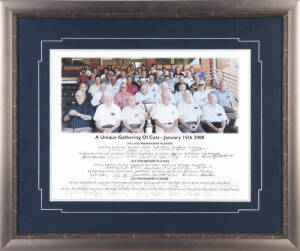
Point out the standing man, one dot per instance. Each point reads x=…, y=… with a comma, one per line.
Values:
x=152, y=87
x=179, y=95
x=131, y=88
x=113, y=87
x=143, y=79
x=189, y=115
x=214, y=116
x=122, y=78
x=166, y=116
x=92, y=80
x=95, y=87
x=201, y=96
x=99, y=95
x=82, y=78
x=143, y=97
x=108, y=115
x=121, y=98
x=181, y=81
x=133, y=117
x=164, y=89
x=79, y=115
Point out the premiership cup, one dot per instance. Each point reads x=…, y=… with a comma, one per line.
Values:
x=148, y=115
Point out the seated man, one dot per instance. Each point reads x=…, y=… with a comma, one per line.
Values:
x=166, y=116
x=108, y=115
x=121, y=98
x=143, y=97
x=214, y=116
x=225, y=98
x=189, y=115
x=79, y=115
x=164, y=89
x=133, y=117
x=84, y=88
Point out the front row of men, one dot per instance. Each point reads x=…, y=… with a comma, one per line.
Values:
x=167, y=118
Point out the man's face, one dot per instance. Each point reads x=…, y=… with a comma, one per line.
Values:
x=144, y=74
x=79, y=98
x=97, y=80
x=129, y=81
x=166, y=79
x=201, y=86
x=131, y=100
x=103, y=87
x=173, y=67
x=108, y=76
x=83, y=87
x=151, y=78
x=144, y=89
x=212, y=98
x=181, y=79
x=83, y=71
x=92, y=75
x=108, y=99
x=113, y=80
x=123, y=88
x=222, y=86
x=182, y=88
x=189, y=74
x=123, y=74
x=171, y=74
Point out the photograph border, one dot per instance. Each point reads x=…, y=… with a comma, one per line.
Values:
x=289, y=240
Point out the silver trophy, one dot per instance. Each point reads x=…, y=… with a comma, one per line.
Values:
x=148, y=116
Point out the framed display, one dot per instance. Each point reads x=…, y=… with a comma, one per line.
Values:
x=129, y=123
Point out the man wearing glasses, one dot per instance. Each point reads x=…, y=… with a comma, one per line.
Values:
x=200, y=96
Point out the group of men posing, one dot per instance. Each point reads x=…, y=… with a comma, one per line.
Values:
x=115, y=101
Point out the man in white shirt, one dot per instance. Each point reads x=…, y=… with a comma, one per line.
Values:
x=95, y=87
x=164, y=89
x=99, y=95
x=108, y=115
x=200, y=96
x=143, y=79
x=133, y=117
x=189, y=115
x=143, y=97
x=214, y=116
x=113, y=87
x=166, y=116
x=152, y=87
x=189, y=79
x=122, y=79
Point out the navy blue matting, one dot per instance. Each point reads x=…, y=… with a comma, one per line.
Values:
x=261, y=215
